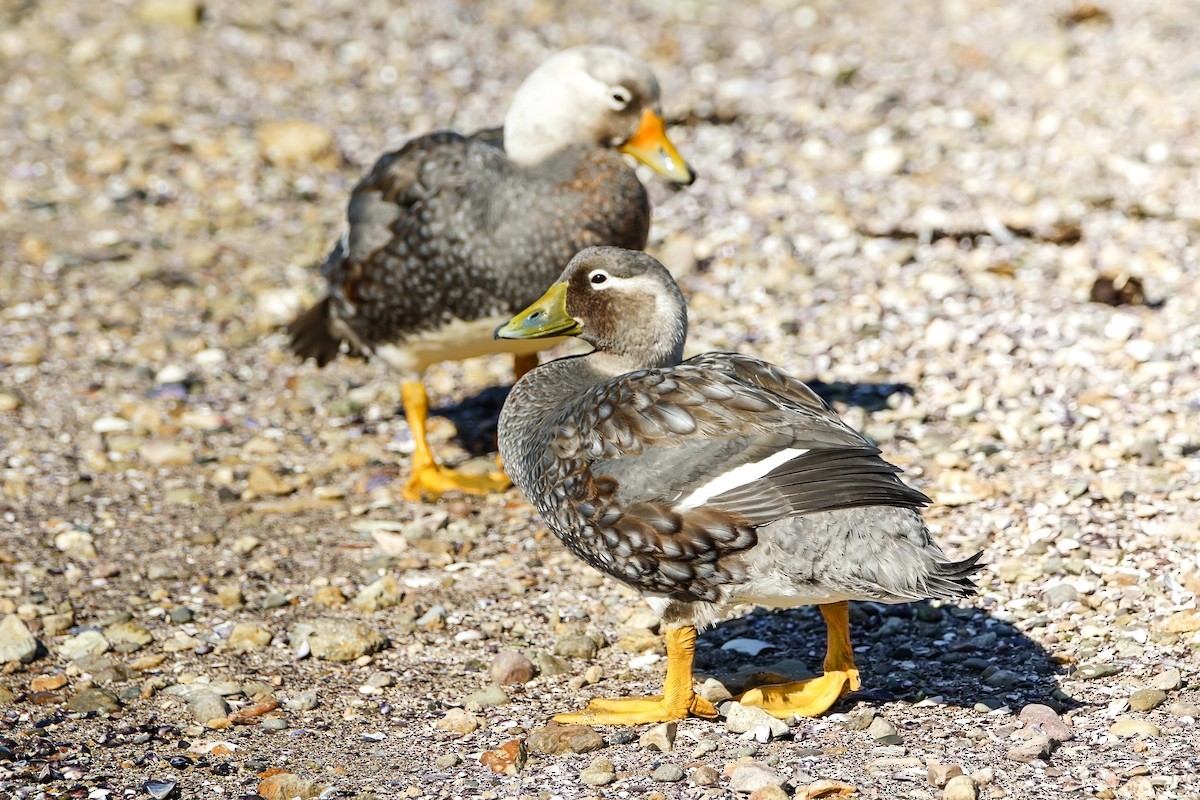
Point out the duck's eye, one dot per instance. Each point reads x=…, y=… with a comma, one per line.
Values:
x=619, y=97
x=598, y=277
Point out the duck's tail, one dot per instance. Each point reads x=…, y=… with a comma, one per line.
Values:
x=951, y=579
x=312, y=336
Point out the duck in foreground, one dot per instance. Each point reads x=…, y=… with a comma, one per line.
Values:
x=706, y=482
x=451, y=235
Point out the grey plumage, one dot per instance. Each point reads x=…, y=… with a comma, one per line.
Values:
x=632, y=457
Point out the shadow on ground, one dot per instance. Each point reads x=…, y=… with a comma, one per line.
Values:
x=914, y=651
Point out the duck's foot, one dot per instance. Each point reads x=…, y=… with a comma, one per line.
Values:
x=639, y=710
x=808, y=698
x=431, y=481
x=678, y=700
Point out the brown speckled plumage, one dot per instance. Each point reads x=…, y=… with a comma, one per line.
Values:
x=450, y=228
x=617, y=448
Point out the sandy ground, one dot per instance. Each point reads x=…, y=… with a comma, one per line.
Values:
x=911, y=203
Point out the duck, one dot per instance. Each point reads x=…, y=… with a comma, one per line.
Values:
x=451, y=234
x=706, y=483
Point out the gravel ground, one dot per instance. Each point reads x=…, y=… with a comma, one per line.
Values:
x=209, y=586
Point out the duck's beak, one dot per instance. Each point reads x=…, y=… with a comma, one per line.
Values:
x=650, y=145
x=545, y=318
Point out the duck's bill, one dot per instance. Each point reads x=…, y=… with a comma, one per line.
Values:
x=545, y=318
x=651, y=146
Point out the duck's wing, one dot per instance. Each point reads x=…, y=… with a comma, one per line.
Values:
x=673, y=470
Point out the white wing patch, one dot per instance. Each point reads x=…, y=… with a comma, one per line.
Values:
x=738, y=476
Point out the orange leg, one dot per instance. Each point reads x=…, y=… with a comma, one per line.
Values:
x=815, y=696
x=429, y=478
x=678, y=700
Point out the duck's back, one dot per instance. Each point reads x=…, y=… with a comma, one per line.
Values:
x=447, y=230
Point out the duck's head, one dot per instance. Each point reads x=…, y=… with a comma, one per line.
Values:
x=622, y=302
x=592, y=95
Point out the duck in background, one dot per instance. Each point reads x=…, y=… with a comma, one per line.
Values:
x=451, y=235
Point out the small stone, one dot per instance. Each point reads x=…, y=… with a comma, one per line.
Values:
x=1181, y=622
x=262, y=481
x=1091, y=672
x=640, y=640
x=507, y=759
x=1059, y=595
x=753, y=775
x=55, y=624
x=577, y=646
x=509, y=668
x=1129, y=728
x=87, y=643
x=289, y=786
x=206, y=705
x=556, y=739
x=48, y=683
x=741, y=719
x=182, y=614
x=1146, y=699
x=883, y=160
x=274, y=724
x=1002, y=679
x=599, y=773
x=769, y=793
x=824, y=789
x=661, y=737
x=329, y=596
x=457, y=720
x=181, y=13
x=486, y=697
x=1047, y=720
x=340, y=640
x=166, y=454
x=16, y=641
x=960, y=787
x=78, y=545
x=549, y=664
x=939, y=774
x=705, y=776
x=159, y=789
x=383, y=593
x=230, y=596
x=305, y=701
x=295, y=142
x=667, y=773
x=432, y=620
x=245, y=545
x=1035, y=747
x=93, y=698
x=714, y=691
x=128, y=633
x=1167, y=681
x=447, y=761
x=6, y=696
x=884, y=732
x=247, y=636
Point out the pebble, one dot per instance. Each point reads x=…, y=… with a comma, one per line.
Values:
x=667, y=773
x=769, y=793
x=705, y=775
x=714, y=691
x=305, y=701
x=246, y=637
x=206, y=706
x=181, y=13
x=334, y=639
x=1059, y=594
x=78, y=545
x=510, y=667
x=1167, y=681
x=577, y=646
x=130, y=633
x=939, y=774
x=457, y=720
x=884, y=732
x=883, y=160
x=550, y=665
x=230, y=596
x=960, y=787
x=741, y=719
x=48, y=683
x=447, y=761
x=556, y=739
x=86, y=643
x=182, y=614
x=1047, y=720
x=1146, y=699
x=507, y=759
x=295, y=142
x=167, y=454
x=1035, y=747
x=93, y=698
x=289, y=786
x=751, y=776
x=486, y=697
x=383, y=593
x=1129, y=728
x=17, y=643
x=661, y=737
x=432, y=620
x=1091, y=672
x=599, y=773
